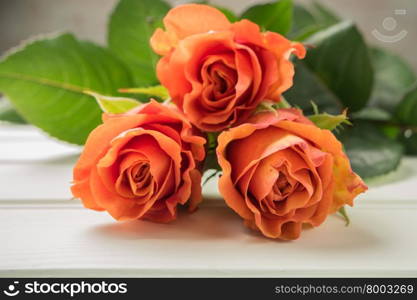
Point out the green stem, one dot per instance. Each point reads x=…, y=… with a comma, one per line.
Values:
x=211, y=161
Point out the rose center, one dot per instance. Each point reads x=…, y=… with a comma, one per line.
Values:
x=136, y=181
x=140, y=178
x=220, y=84
x=219, y=80
x=140, y=173
x=282, y=186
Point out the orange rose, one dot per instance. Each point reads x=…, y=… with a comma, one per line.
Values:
x=218, y=72
x=141, y=165
x=281, y=171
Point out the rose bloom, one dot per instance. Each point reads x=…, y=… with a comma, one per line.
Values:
x=218, y=72
x=141, y=164
x=280, y=171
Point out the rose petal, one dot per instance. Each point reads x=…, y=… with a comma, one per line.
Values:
x=118, y=207
x=246, y=152
x=98, y=143
x=82, y=190
x=185, y=20
x=226, y=186
x=347, y=184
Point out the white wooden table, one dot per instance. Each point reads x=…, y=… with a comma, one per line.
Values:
x=45, y=233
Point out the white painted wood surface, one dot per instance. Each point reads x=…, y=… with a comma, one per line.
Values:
x=45, y=233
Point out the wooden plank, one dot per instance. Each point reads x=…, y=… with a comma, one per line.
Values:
x=26, y=144
x=70, y=241
x=33, y=166
x=47, y=180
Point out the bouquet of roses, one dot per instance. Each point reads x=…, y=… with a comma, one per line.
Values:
x=279, y=169
x=219, y=105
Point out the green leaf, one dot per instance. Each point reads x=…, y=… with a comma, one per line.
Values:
x=406, y=111
x=45, y=80
x=409, y=139
x=371, y=153
x=302, y=18
x=309, y=87
x=373, y=114
x=393, y=78
x=156, y=91
x=307, y=20
x=275, y=16
x=230, y=15
x=391, y=130
x=131, y=26
x=114, y=105
x=330, y=122
x=323, y=15
x=9, y=114
x=340, y=62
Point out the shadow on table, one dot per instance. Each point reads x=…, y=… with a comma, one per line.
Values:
x=207, y=222
x=220, y=224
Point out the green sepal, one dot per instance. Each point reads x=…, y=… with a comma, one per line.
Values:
x=343, y=213
x=114, y=105
x=155, y=91
x=328, y=121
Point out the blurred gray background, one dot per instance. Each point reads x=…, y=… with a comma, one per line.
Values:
x=20, y=19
